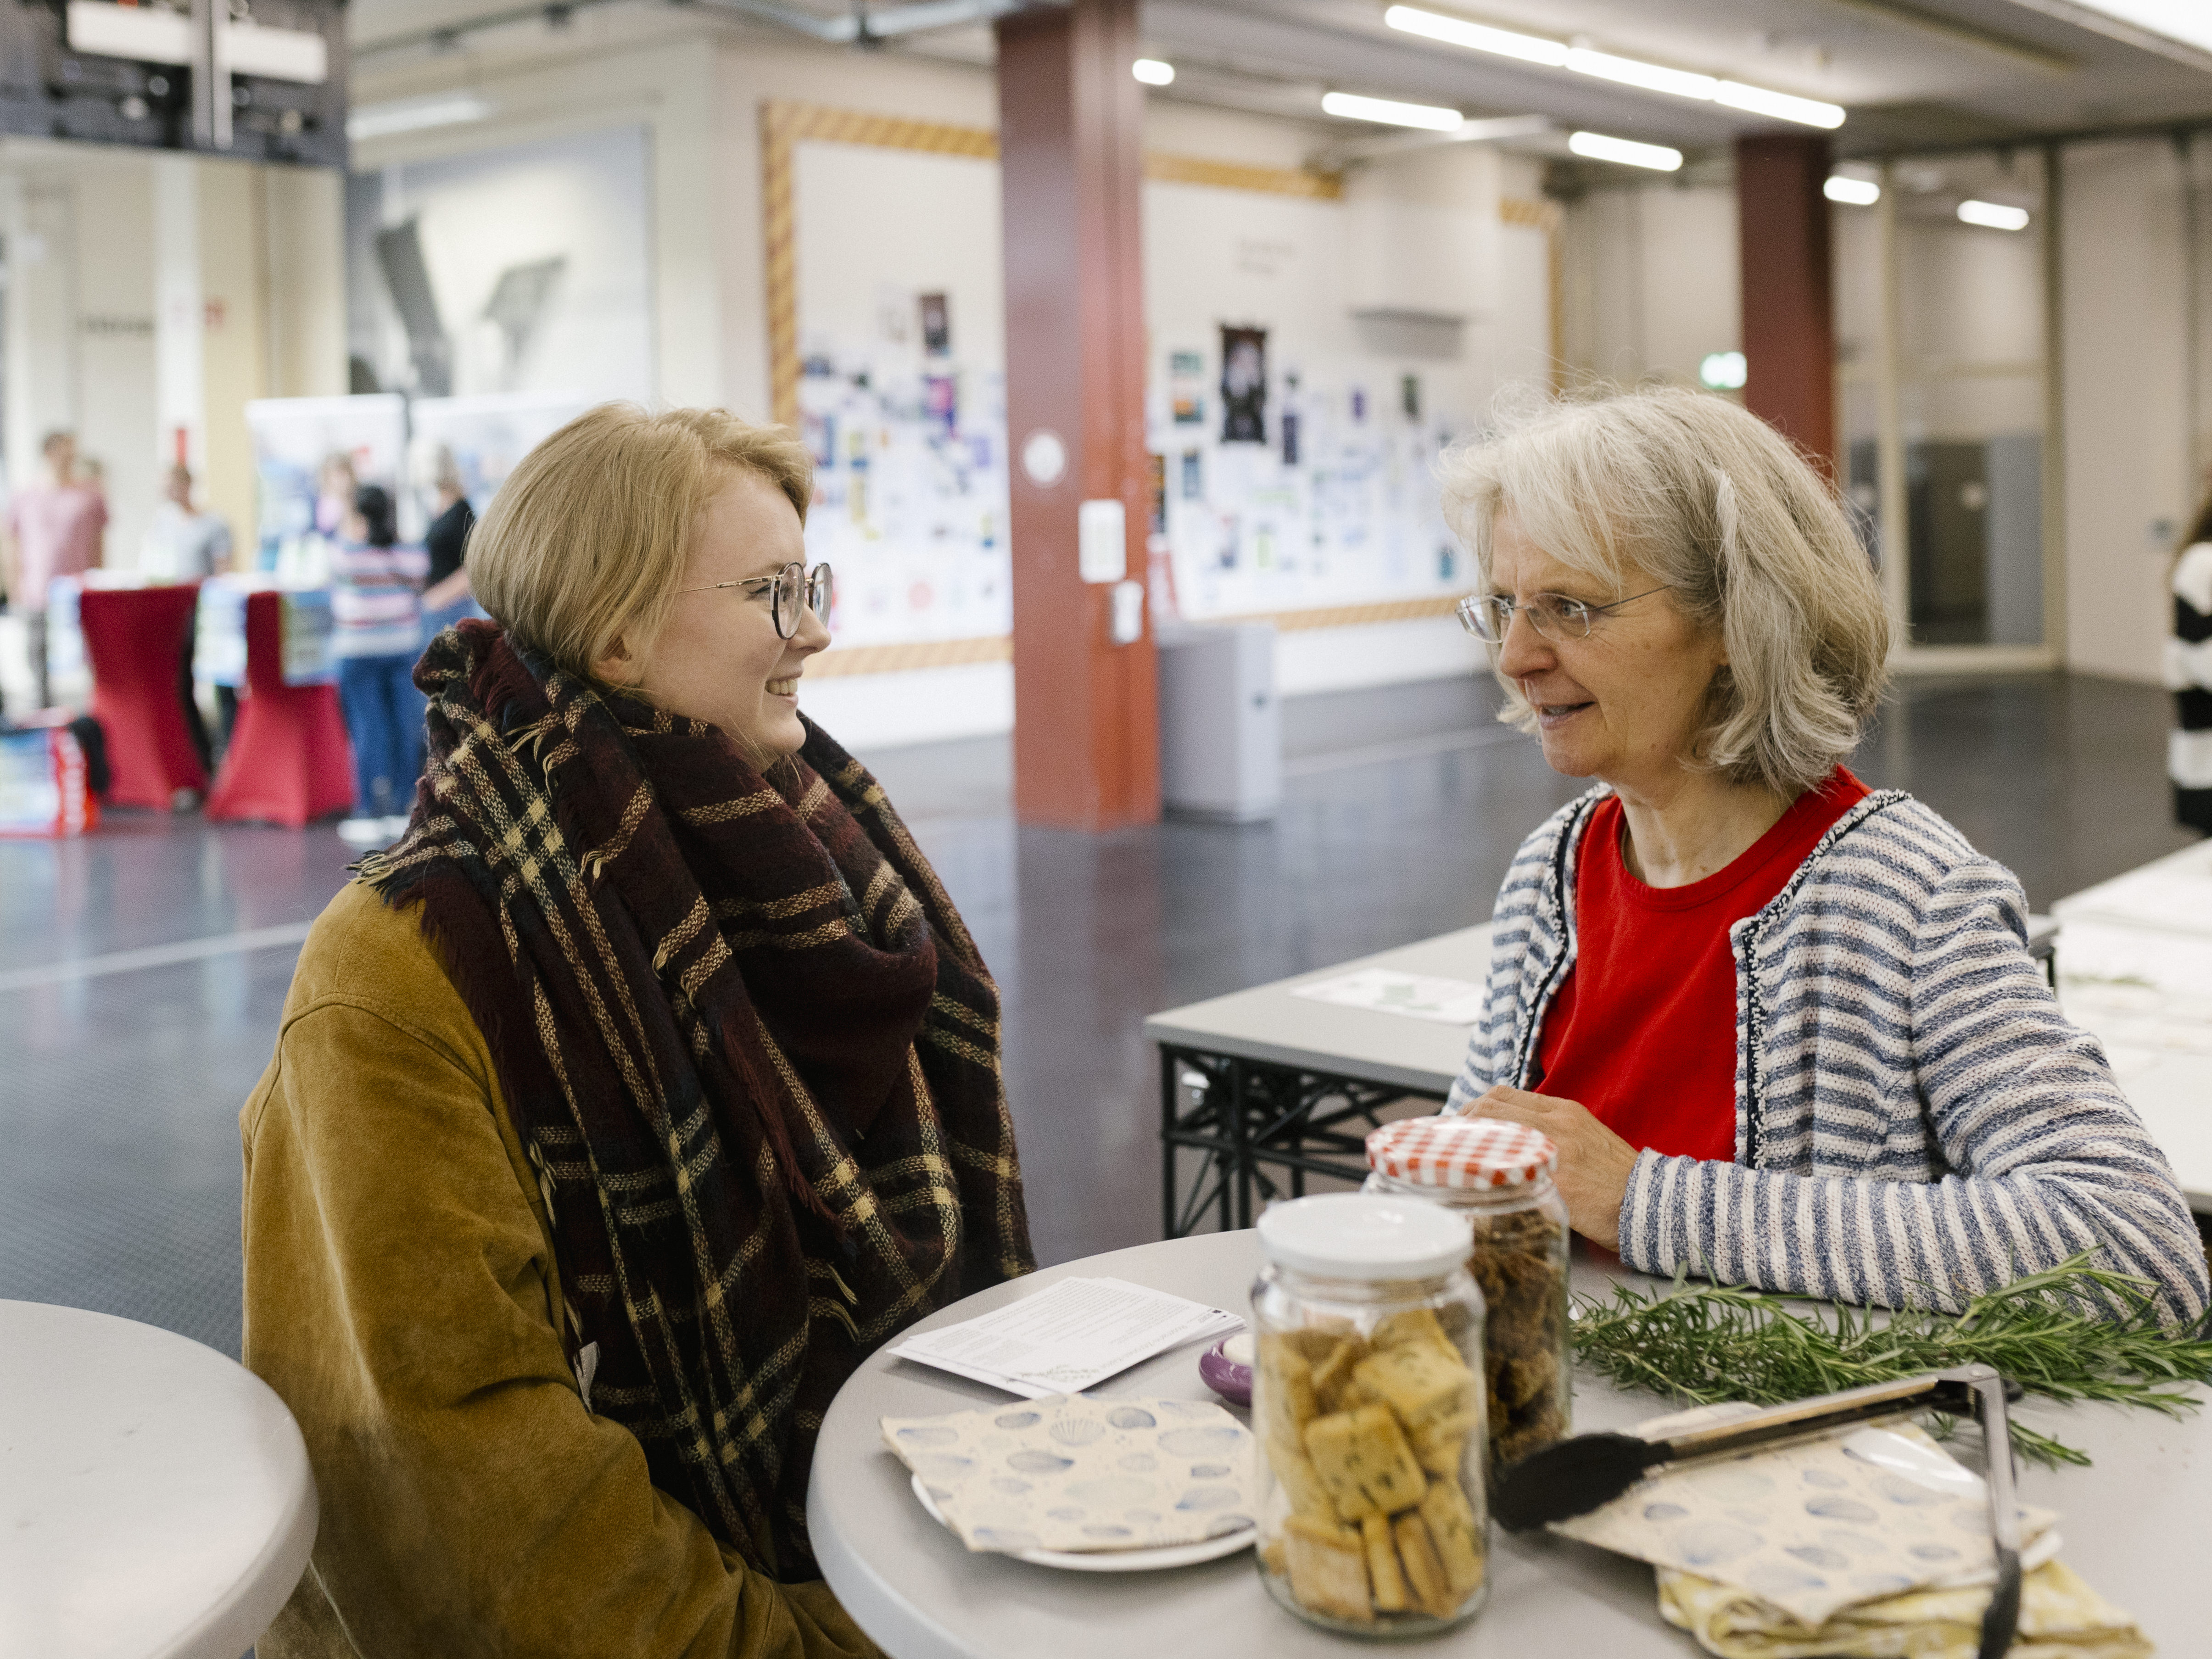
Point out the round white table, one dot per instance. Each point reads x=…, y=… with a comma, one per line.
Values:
x=2133, y=1524
x=155, y=1497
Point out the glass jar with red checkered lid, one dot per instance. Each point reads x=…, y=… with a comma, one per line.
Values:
x=1500, y=1176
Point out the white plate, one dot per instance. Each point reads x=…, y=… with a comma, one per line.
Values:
x=1168, y=1555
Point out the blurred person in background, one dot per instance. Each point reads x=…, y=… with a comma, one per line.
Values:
x=335, y=487
x=182, y=545
x=376, y=611
x=2189, y=676
x=56, y=527
x=626, y=1105
x=447, y=599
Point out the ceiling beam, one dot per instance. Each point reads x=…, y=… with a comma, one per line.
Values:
x=2022, y=54
x=2113, y=28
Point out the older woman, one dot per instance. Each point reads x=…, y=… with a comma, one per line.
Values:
x=1784, y=1029
x=647, y=1086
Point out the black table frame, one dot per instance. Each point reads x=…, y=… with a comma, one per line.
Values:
x=1261, y=1128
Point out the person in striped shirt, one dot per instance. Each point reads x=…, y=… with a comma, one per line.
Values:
x=2189, y=676
x=1784, y=1029
x=376, y=610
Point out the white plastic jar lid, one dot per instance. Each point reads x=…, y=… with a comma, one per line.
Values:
x=1356, y=1235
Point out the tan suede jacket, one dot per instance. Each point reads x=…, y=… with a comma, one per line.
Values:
x=401, y=1296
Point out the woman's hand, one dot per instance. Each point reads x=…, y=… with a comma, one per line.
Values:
x=1594, y=1163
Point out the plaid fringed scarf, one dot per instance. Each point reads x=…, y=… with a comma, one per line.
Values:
x=747, y=1043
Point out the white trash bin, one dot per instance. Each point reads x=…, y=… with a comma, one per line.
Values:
x=1221, y=728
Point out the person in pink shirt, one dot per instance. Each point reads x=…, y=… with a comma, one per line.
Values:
x=54, y=529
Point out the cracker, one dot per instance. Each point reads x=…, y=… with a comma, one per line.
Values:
x=1328, y=1569
x=1452, y=1529
x=1362, y=1459
x=1425, y=1574
x=1422, y=1383
x=1382, y=1570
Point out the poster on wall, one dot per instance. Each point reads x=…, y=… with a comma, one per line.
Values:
x=1342, y=508
x=909, y=501
x=523, y=269
x=1243, y=386
x=902, y=394
x=485, y=435
x=308, y=454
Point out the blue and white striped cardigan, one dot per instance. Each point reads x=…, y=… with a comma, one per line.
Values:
x=1915, y=1119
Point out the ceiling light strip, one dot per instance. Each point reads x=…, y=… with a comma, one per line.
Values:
x=1390, y=112
x=1598, y=147
x=1609, y=66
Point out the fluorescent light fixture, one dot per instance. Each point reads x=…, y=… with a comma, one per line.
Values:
x=1152, y=72
x=1723, y=371
x=1628, y=71
x=1599, y=147
x=447, y=109
x=1994, y=216
x=1390, y=112
x=2186, y=21
x=1805, y=111
x=1852, y=192
x=1476, y=37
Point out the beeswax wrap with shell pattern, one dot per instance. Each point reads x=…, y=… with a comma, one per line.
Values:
x=1072, y=1473
x=1816, y=1527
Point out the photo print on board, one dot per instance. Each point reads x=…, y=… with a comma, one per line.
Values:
x=1186, y=387
x=1243, y=386
x=936, y=325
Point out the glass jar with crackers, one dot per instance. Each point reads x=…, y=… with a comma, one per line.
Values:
x=1367, y=1406
x=1499, y=1176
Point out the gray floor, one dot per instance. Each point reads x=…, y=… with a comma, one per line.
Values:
x=119, y=1095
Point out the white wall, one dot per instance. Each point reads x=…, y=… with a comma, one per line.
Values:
x=2128, y=483
x=1653, y=280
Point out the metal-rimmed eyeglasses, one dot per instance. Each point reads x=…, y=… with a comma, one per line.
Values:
x=789, y=589
x=1556, y=617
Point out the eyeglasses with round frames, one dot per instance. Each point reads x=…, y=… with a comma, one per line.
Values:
x=788, y=589
x=1488, y=617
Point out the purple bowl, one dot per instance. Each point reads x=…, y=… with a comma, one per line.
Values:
x=1232, y=1381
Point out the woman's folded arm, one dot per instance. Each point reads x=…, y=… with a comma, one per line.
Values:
x=2044, y=1156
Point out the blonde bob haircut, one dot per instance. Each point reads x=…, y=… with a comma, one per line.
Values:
x=1750, y=541
x=586, y=541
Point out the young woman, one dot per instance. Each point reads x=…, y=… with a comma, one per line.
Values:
x=648, y=1085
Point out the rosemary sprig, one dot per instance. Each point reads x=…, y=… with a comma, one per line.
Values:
x=2072, y=1332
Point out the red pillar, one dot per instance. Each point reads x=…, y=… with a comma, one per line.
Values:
x=1070, y=155
x=1789, y=311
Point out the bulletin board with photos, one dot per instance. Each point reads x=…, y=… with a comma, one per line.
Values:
x=1293, y=469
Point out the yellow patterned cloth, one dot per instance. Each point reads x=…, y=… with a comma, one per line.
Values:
x=2060, y=1618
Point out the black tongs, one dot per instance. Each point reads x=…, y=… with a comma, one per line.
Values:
x=1576, y=1476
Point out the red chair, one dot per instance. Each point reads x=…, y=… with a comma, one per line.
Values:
x=134, y=638
x=290, y=761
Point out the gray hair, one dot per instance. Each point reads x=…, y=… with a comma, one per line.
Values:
x=1751, y=541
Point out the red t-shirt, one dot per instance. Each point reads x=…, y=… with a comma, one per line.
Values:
x=1643, y=1031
